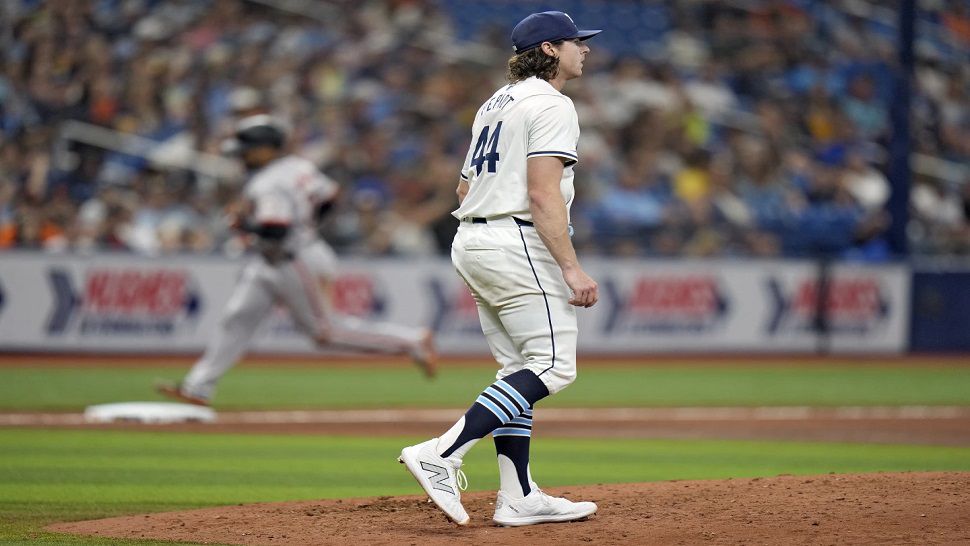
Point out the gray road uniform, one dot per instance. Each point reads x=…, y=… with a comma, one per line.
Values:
x=284, y=197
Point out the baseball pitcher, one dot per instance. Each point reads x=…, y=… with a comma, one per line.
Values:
x=514, y=252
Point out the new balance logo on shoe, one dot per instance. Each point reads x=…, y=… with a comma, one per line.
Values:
x=442, y=479
x=437, y=476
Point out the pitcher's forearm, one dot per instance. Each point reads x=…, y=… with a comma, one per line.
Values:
x=552, y=225
x=548, y=208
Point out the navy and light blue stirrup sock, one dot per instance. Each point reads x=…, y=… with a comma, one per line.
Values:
x=512, y=451
x=495, y=408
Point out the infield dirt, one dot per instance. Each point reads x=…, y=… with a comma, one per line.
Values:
x=885, y=508
x=890, y=508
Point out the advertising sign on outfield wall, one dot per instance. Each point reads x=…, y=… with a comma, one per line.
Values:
x=127, y=303
x=747, y=306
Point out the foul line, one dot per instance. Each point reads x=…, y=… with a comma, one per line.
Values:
x=571, y=415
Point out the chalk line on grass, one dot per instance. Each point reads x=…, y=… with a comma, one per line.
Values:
x=767, y=413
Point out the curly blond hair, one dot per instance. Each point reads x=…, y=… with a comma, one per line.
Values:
x=533, y=62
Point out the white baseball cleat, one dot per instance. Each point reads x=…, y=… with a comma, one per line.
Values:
x=538, y=507
x=442, y=479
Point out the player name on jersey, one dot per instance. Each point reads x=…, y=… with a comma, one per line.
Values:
x=498, y=101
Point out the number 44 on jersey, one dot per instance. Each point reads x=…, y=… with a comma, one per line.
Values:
x=479, y=157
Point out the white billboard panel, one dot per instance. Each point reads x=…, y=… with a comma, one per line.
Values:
x=122, y=302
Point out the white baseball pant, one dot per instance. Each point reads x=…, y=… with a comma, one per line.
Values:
x=523, y=300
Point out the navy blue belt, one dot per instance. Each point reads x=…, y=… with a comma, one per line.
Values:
x=480, y=220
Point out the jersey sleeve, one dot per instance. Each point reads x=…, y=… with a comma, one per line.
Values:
x=322, y=188
x=554, y=131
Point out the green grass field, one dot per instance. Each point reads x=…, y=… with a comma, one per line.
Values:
x=49, y=475
x=265, y=387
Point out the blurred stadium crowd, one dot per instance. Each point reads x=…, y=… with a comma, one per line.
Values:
x=709, y=128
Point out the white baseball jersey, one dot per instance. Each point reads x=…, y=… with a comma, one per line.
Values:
x=523, y=300
x=525, y=119
x=287, y=192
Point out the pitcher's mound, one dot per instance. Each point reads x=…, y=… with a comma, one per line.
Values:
x=890, y=508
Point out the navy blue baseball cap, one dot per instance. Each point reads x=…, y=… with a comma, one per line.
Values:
x=547, y=26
